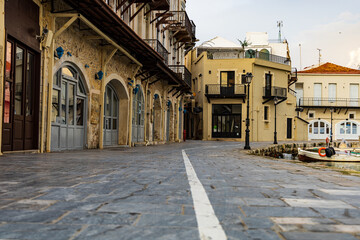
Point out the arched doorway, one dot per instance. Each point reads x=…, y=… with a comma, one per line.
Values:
x=69, y=101
x=180, y=119
x=138, y=116
x=348, y=130
x=264, y=54
x=111, y=116
x=156, y=118
x=318, y=129
x=169, y=122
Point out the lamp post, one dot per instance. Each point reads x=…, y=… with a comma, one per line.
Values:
x=331, y=126
x=275, y=133
x=249, y=77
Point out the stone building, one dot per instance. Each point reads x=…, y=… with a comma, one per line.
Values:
x=219, y=68
x=328, y=97
x=91, y=74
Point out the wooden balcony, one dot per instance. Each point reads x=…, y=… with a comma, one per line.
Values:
x=156, y=5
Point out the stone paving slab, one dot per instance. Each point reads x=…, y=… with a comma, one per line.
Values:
x=143, y=193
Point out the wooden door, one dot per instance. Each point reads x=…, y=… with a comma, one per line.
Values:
x=289, y=128
x=268, y=85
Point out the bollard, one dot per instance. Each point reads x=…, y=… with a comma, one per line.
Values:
x=184, y=135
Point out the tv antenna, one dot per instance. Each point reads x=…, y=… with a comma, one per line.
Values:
x=280, y=25
x=319, y=55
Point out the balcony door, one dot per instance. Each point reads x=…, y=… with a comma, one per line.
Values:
x=317, y=94
x=227, y=83
x=268, y=85
x=21, y=98
x=354, y=95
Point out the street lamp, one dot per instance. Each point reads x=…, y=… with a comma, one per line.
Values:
x=248, y=77
x=276, y=100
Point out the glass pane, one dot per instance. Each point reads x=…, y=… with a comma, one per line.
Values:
x=214, y=124
x=79, y=112
x=310, y=128
x=316, y=128
x=227, y=123
x=7, y=102
x=63, y=102
x=108, y=102
x=223, y=124
x=107, y=123
x=81, y=88
x=327, y=129
x=67, y=72
x=55, y=105
x=18, y=81
x=316, y=124
x=224, y=78
x=114, y=125
x=219, y=124
x=348, y=130
x=115, y=106
x=342, y=128
x=8, y=60
x=29, y=80
x=71, y=104
x=354, y=129
x=236, y=109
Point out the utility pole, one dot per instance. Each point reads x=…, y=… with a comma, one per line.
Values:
x=279, y=25
x=319, y=55
x=300, y=56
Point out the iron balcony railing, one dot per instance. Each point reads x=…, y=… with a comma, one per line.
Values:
x=224, y=91
x=182, y=72
x=282, y=40
x=271, y=92
x=254, y=54
x=157, y=46
x=329, y=102
x=181, y=19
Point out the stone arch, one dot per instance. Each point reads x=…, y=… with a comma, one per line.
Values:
x=119, y=85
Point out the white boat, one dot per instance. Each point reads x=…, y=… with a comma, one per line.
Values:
x=311, y=155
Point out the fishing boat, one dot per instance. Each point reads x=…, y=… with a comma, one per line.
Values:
x=319, y=154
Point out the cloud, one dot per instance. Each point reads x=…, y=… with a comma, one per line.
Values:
x=354, y=59
x=338, y=40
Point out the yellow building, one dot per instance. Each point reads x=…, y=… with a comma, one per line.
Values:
x=80, y=75
x=219, y=69
x=328, y=96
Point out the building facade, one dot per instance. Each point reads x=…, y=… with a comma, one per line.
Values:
x=91, y=74
x=328, y=97
x=219, y=69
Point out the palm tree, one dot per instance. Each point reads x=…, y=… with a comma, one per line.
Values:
x=244, y=43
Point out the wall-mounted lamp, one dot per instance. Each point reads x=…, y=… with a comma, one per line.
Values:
x=59, y=52
x=99, y=75
x=136, y=89
x=69, y=54
x=43, y=35
x=87, y=66
x=156, y=96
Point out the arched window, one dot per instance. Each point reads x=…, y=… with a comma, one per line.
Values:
x=347, y=130
x=111, y=115
x=250, y=53
x=138, y=116
x=68, y=114
x=319, y=129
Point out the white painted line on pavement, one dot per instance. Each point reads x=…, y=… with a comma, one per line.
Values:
x=208, y=224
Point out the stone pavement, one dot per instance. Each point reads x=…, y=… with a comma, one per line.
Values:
x=144, y=193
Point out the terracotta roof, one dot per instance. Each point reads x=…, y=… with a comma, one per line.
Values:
x=330, y=68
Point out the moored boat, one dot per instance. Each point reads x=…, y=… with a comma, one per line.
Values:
x=311, y=155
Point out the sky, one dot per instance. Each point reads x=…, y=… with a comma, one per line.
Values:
x=330, y=25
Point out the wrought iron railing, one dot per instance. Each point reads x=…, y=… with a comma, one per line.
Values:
x=282, y=40
x=157, y=46
x=329, y=102
x=254, y=54
x=217, y=90
x=181, y=19
x=270, y=92
x=182, y=72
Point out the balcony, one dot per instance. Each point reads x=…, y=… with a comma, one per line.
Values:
x=182, y=73
x=224, y=91
x=293, y=77
x=180, y=24
x=329, y=102
x=156, y=5
x=157, y=46
x=275, y=92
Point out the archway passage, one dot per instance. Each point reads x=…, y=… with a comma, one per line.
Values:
x=156, y=118
x=348, y=130
x=68, y=116
x=318, y=129
x=138, y=117
x=111, y=116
